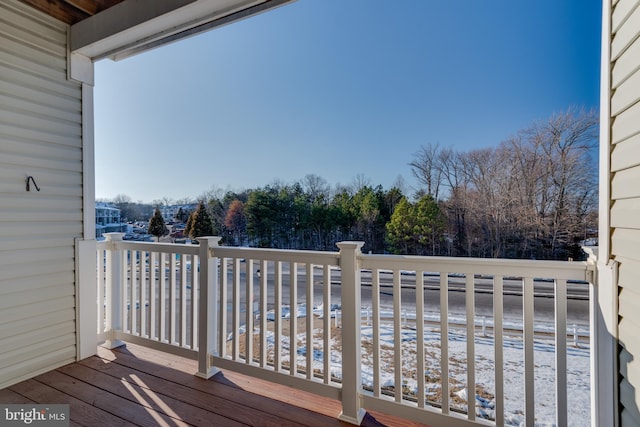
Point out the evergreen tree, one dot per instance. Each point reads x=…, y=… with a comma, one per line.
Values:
x=416, y=229
x=429, y=225
x=157, y=226
x=400, y=227
x=199, y=223
x=189, y=224
x=182, y=215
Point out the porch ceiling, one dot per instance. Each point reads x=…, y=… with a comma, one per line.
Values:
x=72, y=11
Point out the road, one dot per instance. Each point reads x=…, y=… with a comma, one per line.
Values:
x=544, y=303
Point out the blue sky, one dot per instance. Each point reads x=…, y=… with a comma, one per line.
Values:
x=338, y=88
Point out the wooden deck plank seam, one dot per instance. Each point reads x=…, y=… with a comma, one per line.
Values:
x=137, y=386
x=149, y=398
x=285, y=411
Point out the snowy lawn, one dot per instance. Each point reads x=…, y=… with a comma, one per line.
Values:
x=544, y=357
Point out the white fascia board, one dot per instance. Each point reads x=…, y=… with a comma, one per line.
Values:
x=200, y=28
x=80, y=68
x=135, y=23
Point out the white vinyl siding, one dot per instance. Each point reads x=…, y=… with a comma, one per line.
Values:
x=40, y=136
x=625, y=195
x=626, y=154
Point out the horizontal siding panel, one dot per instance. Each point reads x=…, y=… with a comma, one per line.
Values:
x=17, y=184
x=34, y=322
x=25, y=298
x=624, y=242
x=630, y=398
x=626, y=65
x=27, y=284
x=626, y=124
x=59, y=342
x=629, y=306
x=626, y=154
x=43, y=229
x=624, y=184
x=31, y=256
x=51, y=306
x=626, y=95
x=43, y=21
x=30, y=242
x=40, y=109
x=628, y=368
x=37, y=365
x=53, y=163
x=21, y=19
x=629, y=273
x=30, y=215
x=626, y=35
x=628, y=337
x=41, y=201
x=58, y=154
x=65, y=328
x=27, y=120
x=44, y=42
x=52, y=183
x=626, y=213
x=45, y=178
x=34, y=59
x=37, y=272
x=37, y=135
x=621, y=12
x=33, y=87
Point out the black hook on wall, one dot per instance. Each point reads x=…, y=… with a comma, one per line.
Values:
x=31, y=179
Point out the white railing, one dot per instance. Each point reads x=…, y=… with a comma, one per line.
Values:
x=297, y=318
x=149, y=294
x=464, y=274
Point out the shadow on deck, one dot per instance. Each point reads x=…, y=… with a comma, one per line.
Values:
x=134, y=385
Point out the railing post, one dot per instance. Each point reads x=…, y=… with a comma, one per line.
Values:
x=114, y=289
x=352, y=412
x=602, y=276
x=207, y=307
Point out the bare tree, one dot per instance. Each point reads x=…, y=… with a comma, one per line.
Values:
x=121, y=198
x=533, y=196
x=359, y=182
x=426, y=167
x=316, y=186
x=401, y=184
x=569, y=138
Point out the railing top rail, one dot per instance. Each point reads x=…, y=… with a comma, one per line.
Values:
x=169, y=248
x=568, y=270
x=286, y=255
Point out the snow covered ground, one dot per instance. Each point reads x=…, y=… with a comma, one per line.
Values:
x=544, y=357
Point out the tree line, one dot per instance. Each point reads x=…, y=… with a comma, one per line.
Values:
x=532, y=196
x=535, y=195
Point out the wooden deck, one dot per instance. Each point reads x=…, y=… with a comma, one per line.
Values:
x=134, y=385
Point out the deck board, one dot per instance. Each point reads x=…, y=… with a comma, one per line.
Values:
x=134, y=385
x=81, y=412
